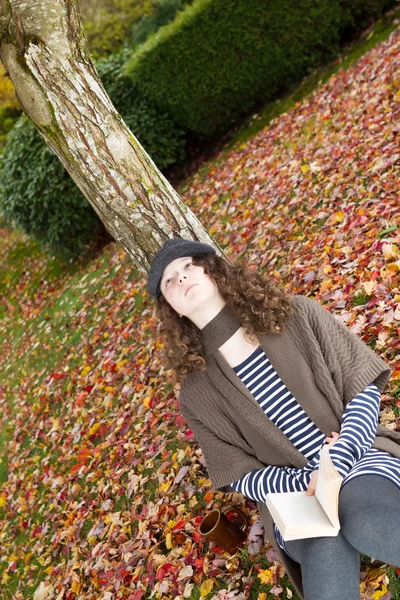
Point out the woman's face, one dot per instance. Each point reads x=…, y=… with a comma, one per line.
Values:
x=187, y=288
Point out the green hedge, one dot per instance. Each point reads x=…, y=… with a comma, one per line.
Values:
x=218, y=57
x=8, y=117
x=38, y=195
x=358, y=14
x=162, y=139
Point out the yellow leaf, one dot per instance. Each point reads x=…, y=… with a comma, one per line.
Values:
x=206, y=587
x=76, y=587
x=369, y=287
x=304, y=168
x=164, y=487
x=390, y=250
x=106, y=335
x=3, y=501
x=213, y=229
x=168, y=541
x=380, y=593
x=392, y=269
x=5, y=577
x=146, y=401
x=56, y=425
x=94, y=428
x=262, y=596
x=339, y=216
x=265, y=576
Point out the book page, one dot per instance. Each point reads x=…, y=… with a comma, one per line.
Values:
x=299, y=516
x=328, y=486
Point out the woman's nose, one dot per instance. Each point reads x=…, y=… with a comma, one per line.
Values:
x=182, y=277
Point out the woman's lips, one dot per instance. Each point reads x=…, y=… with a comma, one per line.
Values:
x=190, y=286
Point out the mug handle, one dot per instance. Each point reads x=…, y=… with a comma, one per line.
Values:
x=237, y=511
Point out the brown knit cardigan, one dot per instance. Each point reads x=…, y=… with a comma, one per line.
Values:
x=321, y=362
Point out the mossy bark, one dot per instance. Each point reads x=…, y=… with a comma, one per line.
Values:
x=43, y=48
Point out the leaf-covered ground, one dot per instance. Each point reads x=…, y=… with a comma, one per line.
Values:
x=103, y=484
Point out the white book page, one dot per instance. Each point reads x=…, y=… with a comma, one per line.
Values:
x=299, y=516
x=328, y=486
x=296, y=509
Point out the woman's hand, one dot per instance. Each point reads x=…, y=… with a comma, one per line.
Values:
x=313, y=482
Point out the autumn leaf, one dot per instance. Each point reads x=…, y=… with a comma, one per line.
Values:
x=265, y=576
x=206, y=587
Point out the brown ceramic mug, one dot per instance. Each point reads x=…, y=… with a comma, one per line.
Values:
x=226, y=527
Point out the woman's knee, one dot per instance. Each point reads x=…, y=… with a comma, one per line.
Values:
x=330, y=567
x=320, y=549
x=365, y=514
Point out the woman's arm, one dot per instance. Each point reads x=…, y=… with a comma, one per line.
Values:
x=358, y=429
x=256, y=484
x=357, y=433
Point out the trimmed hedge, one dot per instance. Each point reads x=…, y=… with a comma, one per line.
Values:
x=358, y=14
x=218, y=58
x=38, y=195
x=162, y=139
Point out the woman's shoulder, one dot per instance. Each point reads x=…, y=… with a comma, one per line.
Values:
x=306, y=307
x=192, y=385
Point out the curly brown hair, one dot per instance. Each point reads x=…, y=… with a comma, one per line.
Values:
x=259, y=305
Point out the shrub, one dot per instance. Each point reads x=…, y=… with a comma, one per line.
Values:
x=154, y=129
x=38, y=195
x=164, y=12
x=107, y=23
x=358, y=14
x=8, y=117
x=217, y=58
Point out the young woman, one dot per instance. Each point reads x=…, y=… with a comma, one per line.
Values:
x=266, y=379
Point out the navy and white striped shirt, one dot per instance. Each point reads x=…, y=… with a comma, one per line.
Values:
x=352, y=454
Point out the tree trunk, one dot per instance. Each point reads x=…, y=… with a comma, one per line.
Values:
x=44, y=50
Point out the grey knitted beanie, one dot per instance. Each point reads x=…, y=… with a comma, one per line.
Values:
x=172, y=249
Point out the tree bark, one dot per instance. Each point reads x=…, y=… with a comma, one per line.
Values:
x=44, y=50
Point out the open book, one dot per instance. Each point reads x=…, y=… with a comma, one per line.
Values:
x=300, y=516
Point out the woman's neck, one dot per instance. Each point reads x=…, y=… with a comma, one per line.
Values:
x=224, y=333
x=236, y=349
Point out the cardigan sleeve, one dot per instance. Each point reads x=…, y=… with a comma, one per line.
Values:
x=233, y=461
x=358, y=430
x=352, y=363
x=258, y=483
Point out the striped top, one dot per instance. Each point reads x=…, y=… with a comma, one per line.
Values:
x=352, y=454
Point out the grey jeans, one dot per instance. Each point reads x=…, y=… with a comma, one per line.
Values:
x=369, y=510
